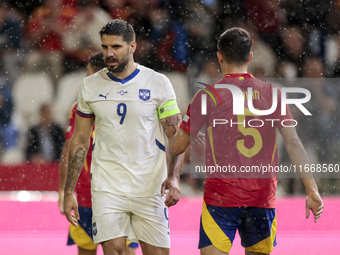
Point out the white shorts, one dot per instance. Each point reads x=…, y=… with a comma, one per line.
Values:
x=138, y=218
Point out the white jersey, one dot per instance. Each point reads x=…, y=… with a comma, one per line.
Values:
x=128, y=157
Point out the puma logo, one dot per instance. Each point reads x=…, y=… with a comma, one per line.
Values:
x=100, y=95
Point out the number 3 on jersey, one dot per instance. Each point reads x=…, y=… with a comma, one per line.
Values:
x=248, y=131
x=121, y=111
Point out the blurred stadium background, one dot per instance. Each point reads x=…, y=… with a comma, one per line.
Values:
x=44, y=48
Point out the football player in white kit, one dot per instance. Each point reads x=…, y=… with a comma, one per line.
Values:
x=133, y=106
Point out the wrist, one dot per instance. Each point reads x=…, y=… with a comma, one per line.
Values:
x=312, y=190
x=174, y=177
x=310, y=185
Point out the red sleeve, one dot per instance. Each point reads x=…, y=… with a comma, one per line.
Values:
x=283, y=119
x=193, y=119
x=185, y=125
x=71, y=122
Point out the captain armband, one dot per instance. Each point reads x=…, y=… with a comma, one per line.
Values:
x=168, y=109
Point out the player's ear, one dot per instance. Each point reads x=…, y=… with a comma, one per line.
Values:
x=133, y=47
x=220, y=58
x=250, y=57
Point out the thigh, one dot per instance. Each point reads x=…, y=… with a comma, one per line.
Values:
x=258, y=230
x=150, y=221
x=148, y=249
x=114, y=246
x=212, y=250
x=86, y=252
x=111, y=216
x=218, y=227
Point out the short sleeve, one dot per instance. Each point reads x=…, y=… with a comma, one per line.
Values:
x=284, y=120
x=193, y=120
x=168, y=92
x=83, y=108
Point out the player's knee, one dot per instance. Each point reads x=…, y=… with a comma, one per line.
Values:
x=255, y=253
x=86, y=252
x=114, y=248
x=114, y=251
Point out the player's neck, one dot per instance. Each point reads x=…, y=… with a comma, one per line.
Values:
x=229, y=69
x=131, y=67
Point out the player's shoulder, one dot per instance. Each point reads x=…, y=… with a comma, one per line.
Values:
x=152, y=74
x=100, y=75
x=91, y=82
x=266, y=85
x=265, y=88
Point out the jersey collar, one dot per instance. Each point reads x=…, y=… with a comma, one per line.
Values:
x=126, y=79
x=239, y=75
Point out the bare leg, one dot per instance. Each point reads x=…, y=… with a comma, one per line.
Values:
x=255, y=253
x=212, y=250
x=82, y=251
x=131, y=251
x=149, y=249
x=115, y=246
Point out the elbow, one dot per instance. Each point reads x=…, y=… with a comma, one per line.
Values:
x=179, y=143
x=176, y=150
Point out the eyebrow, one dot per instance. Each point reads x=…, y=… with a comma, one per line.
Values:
x=113, y=45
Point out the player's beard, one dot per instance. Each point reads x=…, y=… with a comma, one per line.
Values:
x=121, y=65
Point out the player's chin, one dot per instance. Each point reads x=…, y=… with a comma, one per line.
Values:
x=112, y=69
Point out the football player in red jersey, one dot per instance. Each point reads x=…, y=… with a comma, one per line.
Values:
x=82, y=234
x=232, y=201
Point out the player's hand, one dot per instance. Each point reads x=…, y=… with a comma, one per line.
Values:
x=70, y=204
x=172, y=184
x=314, y=203
x=61, y=201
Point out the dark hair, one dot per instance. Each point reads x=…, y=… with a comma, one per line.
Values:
x=234, y=44
x=85, y=3
x=119, y=27
x=97, y=61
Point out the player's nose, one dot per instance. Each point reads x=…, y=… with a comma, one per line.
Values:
x=110, y=52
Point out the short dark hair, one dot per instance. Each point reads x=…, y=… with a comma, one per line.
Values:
x=85, y=3
x=119, y=27
x=97, y=61
x=234, y=44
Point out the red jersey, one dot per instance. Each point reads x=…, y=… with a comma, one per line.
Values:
x=238, y=141
x=83, y=187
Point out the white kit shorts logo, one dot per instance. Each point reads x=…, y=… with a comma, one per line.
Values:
x=94, y=228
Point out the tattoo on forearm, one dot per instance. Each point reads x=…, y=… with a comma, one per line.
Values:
x=173, y=158
x=175, y=164
x=172, y=122
x=76, y=162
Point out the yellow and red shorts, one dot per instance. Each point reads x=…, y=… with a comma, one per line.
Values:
x=256, y=226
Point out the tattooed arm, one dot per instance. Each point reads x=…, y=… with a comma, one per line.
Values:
x=171, y=126
x=77, y=154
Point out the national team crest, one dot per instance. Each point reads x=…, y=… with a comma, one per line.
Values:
x=144, y=94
